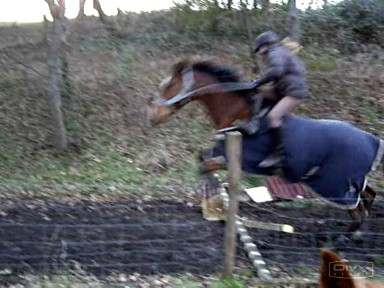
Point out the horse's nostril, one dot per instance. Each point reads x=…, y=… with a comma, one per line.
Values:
x=150, y=100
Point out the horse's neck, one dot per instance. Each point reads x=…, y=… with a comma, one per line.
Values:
x=225, y=108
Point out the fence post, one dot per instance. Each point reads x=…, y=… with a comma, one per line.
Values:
x=233, y=152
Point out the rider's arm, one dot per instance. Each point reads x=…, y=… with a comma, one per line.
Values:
x=276, y=67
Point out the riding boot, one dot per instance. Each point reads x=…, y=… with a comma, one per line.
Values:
x=275, y=159
x=252, y=125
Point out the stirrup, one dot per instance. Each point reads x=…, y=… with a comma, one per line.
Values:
x=272, y=160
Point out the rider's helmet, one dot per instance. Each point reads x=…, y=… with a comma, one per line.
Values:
x=265, y=38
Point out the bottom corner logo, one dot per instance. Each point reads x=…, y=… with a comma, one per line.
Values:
x=356, y=269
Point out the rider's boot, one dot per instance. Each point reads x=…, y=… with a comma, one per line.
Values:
x=252, y=125
x=275, y=159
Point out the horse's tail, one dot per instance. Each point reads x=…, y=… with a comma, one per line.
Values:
x=328, y=278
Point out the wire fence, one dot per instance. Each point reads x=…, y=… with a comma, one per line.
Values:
x=316, y=225
x=105, y=238
x=154, y=237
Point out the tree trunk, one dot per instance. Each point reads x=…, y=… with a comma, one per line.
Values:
x=66, y=85
x=294, y=24
x=55, y=42
x=248, y=27
x=229, y=4
x=109, y=25
x=81, y=9
x=254, y=5
x=265, y=4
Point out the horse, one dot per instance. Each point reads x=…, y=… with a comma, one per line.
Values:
x=333, y=158
x=334, y=273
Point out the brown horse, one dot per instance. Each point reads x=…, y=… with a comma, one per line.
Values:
x=219, y=89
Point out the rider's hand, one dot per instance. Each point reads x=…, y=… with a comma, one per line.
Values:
x=256, y=83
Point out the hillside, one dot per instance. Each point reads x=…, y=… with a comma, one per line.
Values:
x=111, y=81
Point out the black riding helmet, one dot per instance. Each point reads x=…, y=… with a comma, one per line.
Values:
x=265, y=38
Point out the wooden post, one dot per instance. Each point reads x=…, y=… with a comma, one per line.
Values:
x=233, y=152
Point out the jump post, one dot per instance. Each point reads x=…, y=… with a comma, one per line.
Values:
x=233, y=149
x=234, y=223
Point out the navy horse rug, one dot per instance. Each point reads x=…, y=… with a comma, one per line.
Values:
x=332, y=157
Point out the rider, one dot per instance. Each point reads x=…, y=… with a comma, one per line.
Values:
x=289, y=89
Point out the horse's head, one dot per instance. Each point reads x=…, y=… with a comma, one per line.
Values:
x=193, y=81
x=160, y=109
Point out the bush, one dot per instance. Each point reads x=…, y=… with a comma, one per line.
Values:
x=344, y=26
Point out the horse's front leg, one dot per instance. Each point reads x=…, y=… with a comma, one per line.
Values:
x=208, y=163
x=213, y=164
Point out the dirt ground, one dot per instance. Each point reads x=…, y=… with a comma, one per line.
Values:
x=168, y=237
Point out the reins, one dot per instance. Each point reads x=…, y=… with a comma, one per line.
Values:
x=188, y=81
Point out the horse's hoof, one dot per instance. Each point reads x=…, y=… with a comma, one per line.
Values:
x=204, y=169
x=213, y=164
x=342, y=242
x=204, y=153
x=357, y=236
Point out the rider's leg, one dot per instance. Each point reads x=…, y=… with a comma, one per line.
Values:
x=275, y=120
x=252, y=125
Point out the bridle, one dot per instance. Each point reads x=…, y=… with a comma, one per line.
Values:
x=187, y=93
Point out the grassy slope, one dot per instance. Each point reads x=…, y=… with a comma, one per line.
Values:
x=105, y=114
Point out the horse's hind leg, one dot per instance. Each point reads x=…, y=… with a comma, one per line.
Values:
x=368, y=196
x=344, y=239
x=358, y=216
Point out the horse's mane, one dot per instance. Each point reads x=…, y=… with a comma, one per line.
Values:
x=326, y=281
x=222, y=73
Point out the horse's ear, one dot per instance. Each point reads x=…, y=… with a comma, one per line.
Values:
x=180, y=66
x=329, y=256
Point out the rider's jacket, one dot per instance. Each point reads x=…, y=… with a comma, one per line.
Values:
x=286, y=71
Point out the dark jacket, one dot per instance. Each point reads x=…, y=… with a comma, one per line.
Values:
x=286, y=71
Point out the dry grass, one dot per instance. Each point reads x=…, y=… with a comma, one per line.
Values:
x=111, y=82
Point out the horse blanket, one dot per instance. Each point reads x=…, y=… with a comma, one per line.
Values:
x=341, y=154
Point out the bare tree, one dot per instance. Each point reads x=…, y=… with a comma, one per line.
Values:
x=254, y=5
x=294, y=23
x=81, y=13
x=229, y=4
x=265, y=4
x=56, y=38
x=248, y=26
x=110, y=26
